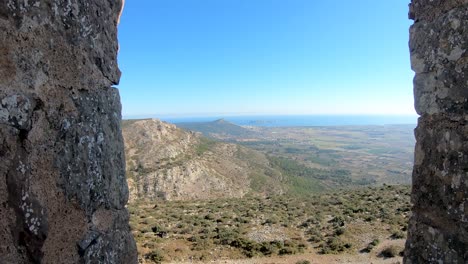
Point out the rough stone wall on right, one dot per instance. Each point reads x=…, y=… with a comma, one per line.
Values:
x=438, y=229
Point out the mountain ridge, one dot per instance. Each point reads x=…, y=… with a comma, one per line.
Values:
x=219, y=128
x=166, y=162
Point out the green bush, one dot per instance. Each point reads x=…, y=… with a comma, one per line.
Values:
x=210, y=217
x=268, y=249
x=315, y=238
x=333, y=246
x=226, y=236
x=157, y=229
x=270, y=221
x=200, y=243
x=155, y=256
x=339, y=231
x=338, y=221
x=371, y=246
x=397, y=234
x=287, y=251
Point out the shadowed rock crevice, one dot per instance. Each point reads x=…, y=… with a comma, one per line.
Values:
x=30, y=228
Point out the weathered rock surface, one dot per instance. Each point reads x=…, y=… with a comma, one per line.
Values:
x=62, y=170
x=166, y=162
x=438, y=231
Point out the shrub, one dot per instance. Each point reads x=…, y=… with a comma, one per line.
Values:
x=303, y=262
x=271, y=220
x=210, y=217
x=339, y=231
x=391, y=252
x=155, y=256
x=145, y=229
x=315, y=238
x=397, y=234
x=338, y=221
x=242, y=220
x=157, y=229
x=371, y=246
x=333, y=245
x=226, y=237
x=374, y=242
x=268, y=248
x=287, y=251
x=200, y=243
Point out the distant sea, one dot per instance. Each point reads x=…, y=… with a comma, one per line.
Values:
x=304, y=120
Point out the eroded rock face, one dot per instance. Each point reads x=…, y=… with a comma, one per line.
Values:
x=62, y=170
x=438, y=231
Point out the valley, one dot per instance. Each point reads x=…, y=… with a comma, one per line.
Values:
x=370, y=154
x=215, y=191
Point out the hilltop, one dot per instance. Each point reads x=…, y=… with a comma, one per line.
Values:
x=220, y=129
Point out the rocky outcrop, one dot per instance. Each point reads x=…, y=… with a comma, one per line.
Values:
x=166, y=162
x=438, y=231
x=62, y=171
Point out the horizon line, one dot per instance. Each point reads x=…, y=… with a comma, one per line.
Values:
x=263, y=115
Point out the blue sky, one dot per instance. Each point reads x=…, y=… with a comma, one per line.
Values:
x=239, y=57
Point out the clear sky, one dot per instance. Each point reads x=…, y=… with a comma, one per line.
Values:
x=238, y=57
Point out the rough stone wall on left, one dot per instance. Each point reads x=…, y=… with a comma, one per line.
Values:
x=62, y=172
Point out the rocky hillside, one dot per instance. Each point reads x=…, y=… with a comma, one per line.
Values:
x=166, y=162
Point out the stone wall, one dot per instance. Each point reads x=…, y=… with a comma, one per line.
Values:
x=62, y=173
x=438, y=231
